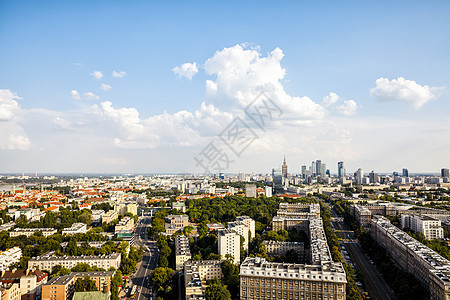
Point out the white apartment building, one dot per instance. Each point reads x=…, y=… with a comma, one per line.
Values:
x=229, y=242
x=48, y=260
x=127, y=223
x=241, y=229
x=30, y=231
x=431, y=228
x=97, y=216
x=9, y=257
x=75, y=228
x=182, y=251
x=249, y=222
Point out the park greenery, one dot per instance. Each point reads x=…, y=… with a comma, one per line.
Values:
x=85, y=284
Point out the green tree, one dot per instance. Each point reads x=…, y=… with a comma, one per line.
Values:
x=216, y=291
x=162, y=276
x=72, y=248
x=85, y=284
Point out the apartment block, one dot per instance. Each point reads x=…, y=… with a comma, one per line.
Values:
x=229, y=242
x=260, y=279
x=10, y=291
x=97, y=216
x=75, y=228
x=48, y=260
x=431, y=228
x=250, y=190
x=126, y=224
x=102, y=279
x=362, y=215
x=430, y=269
x=109, y=216
x=30, y=282
x=59, y=288
x=249, y=222
x=276, y=248
x=241, y=229
x=182, y=251
x=196, y=273
x=9, y=257
x=299, y=209
x=30, y=231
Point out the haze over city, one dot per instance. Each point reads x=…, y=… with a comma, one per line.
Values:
x=144, y=87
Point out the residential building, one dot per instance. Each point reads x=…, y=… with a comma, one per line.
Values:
x=276, y=248
x=75, y=228
x=362, y=215
x=215, y=226
x=196, y=273
x=182, y=251
x=29, y=282
x=229, y=242
x=7, y=226
x=250, y=190
x=109, y=216
x=249, y=222
x=431, y=228
x=268, y=191
x=30, y=231
x=430, y=269
x=102, y=279
x=48, y=260
x=97, y=216
x=241, y=229
x=59, y=288
x=9, y=257
x=126, y=224
x=260, y=279
x=10, y=291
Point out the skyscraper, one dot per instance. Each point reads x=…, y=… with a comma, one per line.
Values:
x=341, y=169
x=284, y=169
x=304, y=171
x=445, y=172
x=359, y=176
x=277, y=180
x=405, y=173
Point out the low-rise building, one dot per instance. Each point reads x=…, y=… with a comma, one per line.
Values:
x=9, y=257
x=215, y=226
x=196, y=273
x=109, y=216
x=175, y=223
x=102, y=279
x=59, y=288
x=182, y=251
x=179, y=205
x=75, y=228
x=48, y=260
x=7, y=226
x=10, y=291
x=127, y=223
x=29, y=281
x=97, y=216
x=30, y=231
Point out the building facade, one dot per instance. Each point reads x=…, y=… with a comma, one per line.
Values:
x=48, y=260
x=229, y=242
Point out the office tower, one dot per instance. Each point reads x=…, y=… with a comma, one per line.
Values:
x=405, y=173
x=373, y=177
x=341, y=169
x=284, y=169
x=359, y=176
x=318, y=167
x=444, y=172
x=313, y=169
x=323, y=170
x=303, y=171
x=277, y=179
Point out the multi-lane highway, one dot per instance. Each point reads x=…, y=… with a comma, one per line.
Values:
x=375, y=284
x=149, y=261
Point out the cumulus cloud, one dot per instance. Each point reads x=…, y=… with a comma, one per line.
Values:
x=105, y=87
x=86, y=96
x=118, y=74
x=348, y=108
x=187, y=70
x=75, y=95
x=8, y=105
x=18, y=142
x=97, y=74
x=403, y=90
x=331, y=99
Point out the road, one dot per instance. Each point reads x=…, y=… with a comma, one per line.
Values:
x=149, y=260
x=375, y=284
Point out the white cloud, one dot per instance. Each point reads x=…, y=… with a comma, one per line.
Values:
x=348, y=108
x=8, y=105
x=97, y=74
x=330, y=99
x=105, y=87
x=118, y=74
x=75, y=95
x=403, y=90
x=18, y=142
x=186, y=70
x=86, y=96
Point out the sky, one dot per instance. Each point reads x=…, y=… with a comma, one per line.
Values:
x=209, y=86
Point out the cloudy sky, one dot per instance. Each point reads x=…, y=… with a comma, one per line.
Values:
x=161, y=86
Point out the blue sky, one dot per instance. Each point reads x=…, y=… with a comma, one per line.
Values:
x=51, y=48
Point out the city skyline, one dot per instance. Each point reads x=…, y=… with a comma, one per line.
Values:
x=109, y=87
